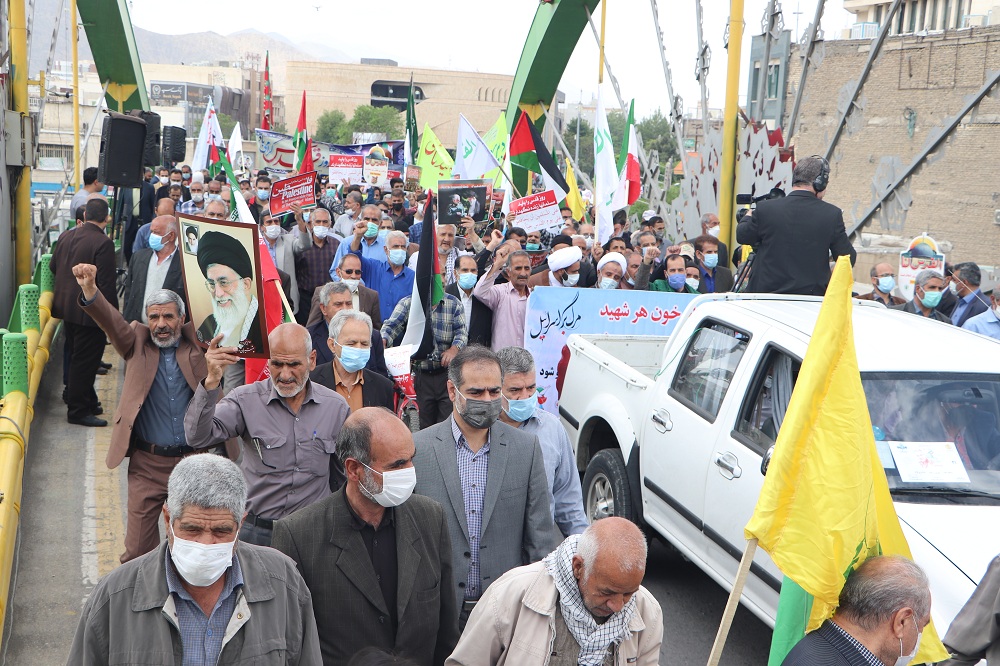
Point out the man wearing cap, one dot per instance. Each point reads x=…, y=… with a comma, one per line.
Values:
x=563, y=269
x=610, y=270
x=229, y=277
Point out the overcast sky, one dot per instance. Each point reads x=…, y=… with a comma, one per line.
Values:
x=465, y=35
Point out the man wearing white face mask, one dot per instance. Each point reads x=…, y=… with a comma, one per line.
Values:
x=202, y=594
x=388, y=545
x=883, y=609
x=987, y=323
x=281, y=247
x=315, y=247
x=350, y=343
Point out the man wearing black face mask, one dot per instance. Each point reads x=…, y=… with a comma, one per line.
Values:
x=401, y=219
x=492, y=529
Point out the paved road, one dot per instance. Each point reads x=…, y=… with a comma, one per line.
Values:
x=692, y=608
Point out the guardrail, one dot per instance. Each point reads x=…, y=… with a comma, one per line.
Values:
x=24, y=351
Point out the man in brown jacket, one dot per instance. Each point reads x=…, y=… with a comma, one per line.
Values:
x=88, y=244
x=165, y=365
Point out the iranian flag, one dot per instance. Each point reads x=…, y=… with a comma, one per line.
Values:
x=629, y=185
x=528, y=151
x=265, y=118
x=301, y=138
x=428, y=290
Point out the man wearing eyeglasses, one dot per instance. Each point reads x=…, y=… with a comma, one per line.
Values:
x=883, y=282
x=228, y=271
x=363, y=299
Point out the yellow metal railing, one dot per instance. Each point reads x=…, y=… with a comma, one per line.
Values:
x=24, y=352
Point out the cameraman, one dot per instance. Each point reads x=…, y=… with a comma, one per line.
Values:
x=795, y=237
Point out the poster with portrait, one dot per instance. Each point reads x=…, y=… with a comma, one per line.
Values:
x=375, y=171
x=463, y=198
x=221, y=268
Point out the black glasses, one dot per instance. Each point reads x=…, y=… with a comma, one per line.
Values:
x=351, y=271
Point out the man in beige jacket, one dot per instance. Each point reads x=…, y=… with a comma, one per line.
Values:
x=583, y=604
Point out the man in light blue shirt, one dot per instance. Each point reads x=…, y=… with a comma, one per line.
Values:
x=520, y=410
x=987, y=323
x=372, y=243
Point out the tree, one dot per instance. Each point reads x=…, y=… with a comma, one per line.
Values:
x=586, y=162
x=226, y=124
x=332, y=127
x=658, y=134
x=377, y=120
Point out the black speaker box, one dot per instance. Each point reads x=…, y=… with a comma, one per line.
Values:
x=123, y=139
x=151, y=151
x=174, y=146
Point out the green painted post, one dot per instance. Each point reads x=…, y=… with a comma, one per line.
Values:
x=28, y=297
x=48, y=279
x=3, y=332
x=15, y=363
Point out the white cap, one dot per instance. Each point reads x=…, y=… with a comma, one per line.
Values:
x=565, y=257
x=647, y=214
x=616, y=257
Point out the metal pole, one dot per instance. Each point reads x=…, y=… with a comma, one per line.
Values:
x=730, y=126
x=19, y=93
x=872, y=56
x=600, y=40
x=814, y=34
x=74, y=40
x=762, y=79
x=701, y=70
x=675, y=112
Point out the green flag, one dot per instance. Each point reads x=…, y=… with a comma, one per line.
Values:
x=410, y=149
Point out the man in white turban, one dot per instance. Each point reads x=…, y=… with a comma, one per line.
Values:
x=564, y=269
x=610, y=270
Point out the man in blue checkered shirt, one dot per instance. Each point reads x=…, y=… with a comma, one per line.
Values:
x=430, y=378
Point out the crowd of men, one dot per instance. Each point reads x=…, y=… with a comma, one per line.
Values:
x=463, y=543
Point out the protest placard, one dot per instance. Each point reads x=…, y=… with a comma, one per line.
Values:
x=923, y=253
x=555, y=313
x=411, y=181
x=393, y=173
x=346, y=167
x=277, y=151
x=496, y=202
x=220, y=265
x=376, y=171
x=463, y=198
x=537, y=211
x=297, y=190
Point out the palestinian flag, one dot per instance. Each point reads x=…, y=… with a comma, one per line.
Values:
x=527, y=151
x=218, y=163
x=301, y=137
x=307, y=161
x=629, y=183
x=268, y=111
x=428, y=289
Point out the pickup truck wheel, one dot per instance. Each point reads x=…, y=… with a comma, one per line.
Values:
x=606, y=487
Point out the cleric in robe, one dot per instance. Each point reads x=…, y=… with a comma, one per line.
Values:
x=229, y=278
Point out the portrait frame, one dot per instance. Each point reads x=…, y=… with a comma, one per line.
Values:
x=239, y=244
x=480, y=189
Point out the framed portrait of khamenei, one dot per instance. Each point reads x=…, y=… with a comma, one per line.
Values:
x=224, y=288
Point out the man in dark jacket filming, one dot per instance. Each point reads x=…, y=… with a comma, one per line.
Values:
x=797, y=236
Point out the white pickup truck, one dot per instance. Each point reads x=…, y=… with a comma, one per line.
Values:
x=675, y=432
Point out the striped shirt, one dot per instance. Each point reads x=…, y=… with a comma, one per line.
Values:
x=448, y=326
x=472, y=471
x=865, y=652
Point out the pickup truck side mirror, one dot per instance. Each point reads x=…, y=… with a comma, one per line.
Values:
x=766, y=461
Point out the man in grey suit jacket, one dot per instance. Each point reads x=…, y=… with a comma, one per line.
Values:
x=489, y=477
x=376, y=560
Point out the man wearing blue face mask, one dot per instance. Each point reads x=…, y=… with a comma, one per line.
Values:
x=371, y=245
x=675, y=269
x=927, y=288
x=153, y=268
x=478, y=315
x=883, y=282
x=520, y=410
x=350, y=342
x=715, y=279
x=388, y=275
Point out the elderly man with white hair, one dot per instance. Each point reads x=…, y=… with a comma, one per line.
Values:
x=582, y=604
x=203, y=596
x=610, y=270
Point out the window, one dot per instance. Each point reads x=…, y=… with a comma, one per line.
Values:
x=766, y=403
x=944, y=14
x=913, y=16
x=706, y=371
x=878, y=14
x=55, y=157
x=899, y=19
x=932, y=20
x=773, y=73
x=754, y=83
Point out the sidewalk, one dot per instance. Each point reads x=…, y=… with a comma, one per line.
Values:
x=72, y=520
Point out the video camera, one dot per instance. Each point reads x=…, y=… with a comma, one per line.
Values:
x=751, y=200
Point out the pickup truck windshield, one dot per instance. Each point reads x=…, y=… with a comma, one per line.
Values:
x=937, y=434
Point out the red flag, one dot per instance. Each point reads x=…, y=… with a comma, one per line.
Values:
x=265, y=119
x=256, y=368
x=307, y=160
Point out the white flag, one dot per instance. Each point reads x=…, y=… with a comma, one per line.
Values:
x=472, y=158
x=605, y=173
x=209, y=133
x=234, y=151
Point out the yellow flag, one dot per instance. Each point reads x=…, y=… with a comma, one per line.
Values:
x=434, y=161
x=825, y=505
x=573, y=198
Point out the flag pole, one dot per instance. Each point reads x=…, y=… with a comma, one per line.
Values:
x=604, y=16
x=733, y=602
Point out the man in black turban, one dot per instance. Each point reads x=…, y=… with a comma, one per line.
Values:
x=229, y=275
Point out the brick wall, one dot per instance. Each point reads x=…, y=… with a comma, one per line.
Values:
x=916, y=85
